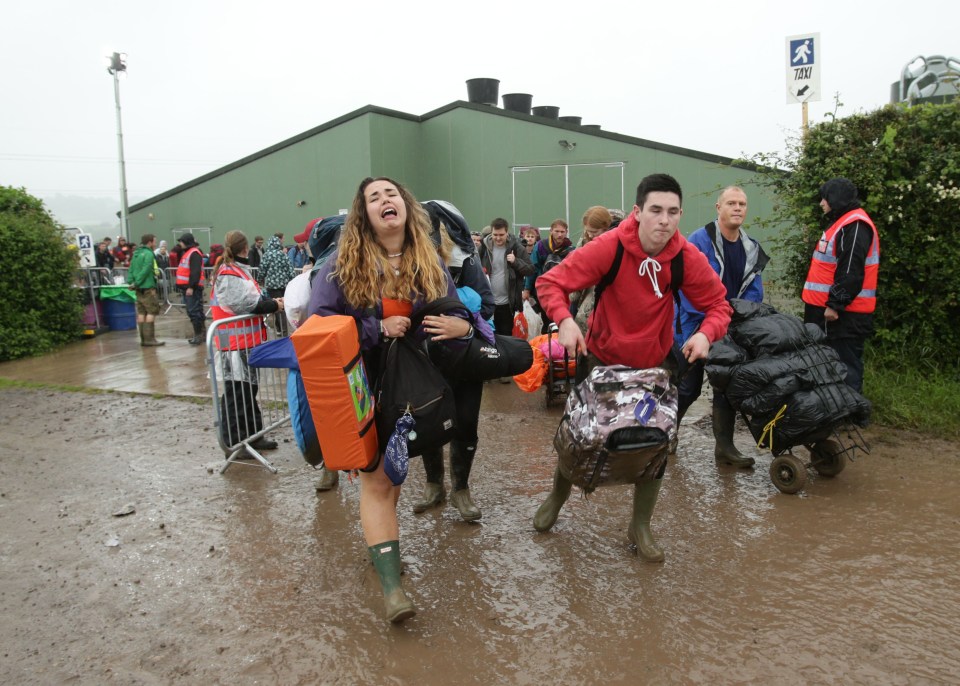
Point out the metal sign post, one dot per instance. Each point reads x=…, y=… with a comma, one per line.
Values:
x=803, y=70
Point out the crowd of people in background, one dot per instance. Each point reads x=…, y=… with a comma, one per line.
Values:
x=119, y=256
x=185, y=269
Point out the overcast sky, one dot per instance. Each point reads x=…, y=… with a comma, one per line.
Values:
x=211, y=82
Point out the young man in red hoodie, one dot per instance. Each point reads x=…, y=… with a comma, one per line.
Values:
x=632, y=323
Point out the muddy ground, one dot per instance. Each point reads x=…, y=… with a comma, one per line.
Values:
x=254, y=578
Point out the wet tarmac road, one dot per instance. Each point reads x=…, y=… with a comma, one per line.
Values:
x=251, y=577
x=115, y=361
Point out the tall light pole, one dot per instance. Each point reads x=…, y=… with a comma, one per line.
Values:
x=117, y=65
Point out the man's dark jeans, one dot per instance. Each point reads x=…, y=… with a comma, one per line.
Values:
x=194, y=305
x=503, y=320
x=850, y=351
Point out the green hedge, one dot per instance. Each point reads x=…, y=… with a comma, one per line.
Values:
x=906, y=163
x=41, y=308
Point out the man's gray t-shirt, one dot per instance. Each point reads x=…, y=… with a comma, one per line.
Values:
x=498, y=276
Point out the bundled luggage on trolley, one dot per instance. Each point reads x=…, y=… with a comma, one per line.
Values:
x=789, y=387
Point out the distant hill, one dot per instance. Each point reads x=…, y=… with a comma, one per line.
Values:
x=94, y=215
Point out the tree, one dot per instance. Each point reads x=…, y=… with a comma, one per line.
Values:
x=41, y=309
x=906, y=164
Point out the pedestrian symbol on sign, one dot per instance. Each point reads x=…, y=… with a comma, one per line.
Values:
x=802, y=58
x=802, y=51
x=85, y=242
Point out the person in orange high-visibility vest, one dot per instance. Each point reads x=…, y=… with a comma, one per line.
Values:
x=236, y=292
x=840, y=293
x=190, y=282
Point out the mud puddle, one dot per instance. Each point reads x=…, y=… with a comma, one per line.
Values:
x=253, y=578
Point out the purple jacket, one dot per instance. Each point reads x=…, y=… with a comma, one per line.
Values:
x=326, y=297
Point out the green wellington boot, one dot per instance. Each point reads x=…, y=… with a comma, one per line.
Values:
x=386, y=560
x=547, y=514
x=433, y=491
x=329, y=478
x=644, y=500
x=148, y=336
x=461, y=462
x=725, y=451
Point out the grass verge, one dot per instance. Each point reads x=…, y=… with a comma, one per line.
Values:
x=905, y=398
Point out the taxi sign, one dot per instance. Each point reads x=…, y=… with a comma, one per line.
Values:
x=803, y=68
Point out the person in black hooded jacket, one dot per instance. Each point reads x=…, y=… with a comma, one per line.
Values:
x=456, y=249
x=840, y=292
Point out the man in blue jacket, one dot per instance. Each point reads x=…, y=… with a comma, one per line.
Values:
x=298, y=254
x=738, y=260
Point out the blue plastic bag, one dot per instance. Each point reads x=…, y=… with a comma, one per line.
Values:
x=278, y=354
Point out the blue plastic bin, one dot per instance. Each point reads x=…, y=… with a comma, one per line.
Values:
x=120, y=315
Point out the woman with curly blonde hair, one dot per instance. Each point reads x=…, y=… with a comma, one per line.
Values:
x=385, y=269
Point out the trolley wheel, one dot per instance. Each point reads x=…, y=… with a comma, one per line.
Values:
x=788, y=473
x=828, y=458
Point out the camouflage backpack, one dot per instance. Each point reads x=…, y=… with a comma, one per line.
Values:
x=617, y=426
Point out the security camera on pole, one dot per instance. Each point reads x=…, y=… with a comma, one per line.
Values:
x=803, y=71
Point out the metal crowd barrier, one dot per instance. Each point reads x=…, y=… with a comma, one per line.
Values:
x=170, y=291
x=244, y=411
x=166, y=288
x=172, y=296
x=90, y=280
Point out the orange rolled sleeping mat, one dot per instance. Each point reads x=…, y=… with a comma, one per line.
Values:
x=338, y=391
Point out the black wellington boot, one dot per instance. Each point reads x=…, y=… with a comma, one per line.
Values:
x=198, y=334
x=461, y=462
x=676, y=436
x=433, y=490
x=547, y=514
x=725, y=451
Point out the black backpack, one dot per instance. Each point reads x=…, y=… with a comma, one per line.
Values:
x=553, y=259
x=409, y=382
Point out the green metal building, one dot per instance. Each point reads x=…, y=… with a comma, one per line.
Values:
x=489, y=162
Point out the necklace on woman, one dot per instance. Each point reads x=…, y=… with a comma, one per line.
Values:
x=394, y=256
